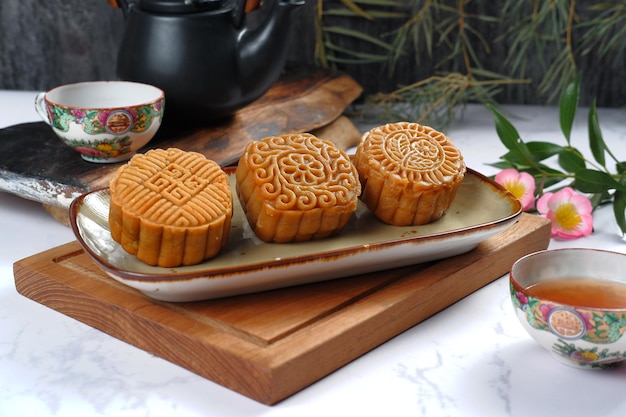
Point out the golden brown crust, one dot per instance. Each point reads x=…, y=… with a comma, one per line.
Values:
x=410, y=173
x=170, y=207
x=296, y=187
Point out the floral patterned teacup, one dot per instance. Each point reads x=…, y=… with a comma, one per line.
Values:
x=573, y=303
x=104, y=121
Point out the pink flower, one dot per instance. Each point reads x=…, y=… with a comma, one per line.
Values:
x=569, y=211
x=521, y=297
x=102, y=117
x=79, y=115
x=520, y=184
x=545, y=310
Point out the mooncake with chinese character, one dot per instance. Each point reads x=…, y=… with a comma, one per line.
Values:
x=170, y=207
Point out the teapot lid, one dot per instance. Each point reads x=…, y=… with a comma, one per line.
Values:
x=180, y=6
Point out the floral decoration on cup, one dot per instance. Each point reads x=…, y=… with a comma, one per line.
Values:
x=116, y=122
x=572, y=324
x=95, y=122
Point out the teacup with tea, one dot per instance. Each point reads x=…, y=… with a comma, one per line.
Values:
x=573, y=303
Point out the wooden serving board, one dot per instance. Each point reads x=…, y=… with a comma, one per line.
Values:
x=36, y=165
x=263, y=345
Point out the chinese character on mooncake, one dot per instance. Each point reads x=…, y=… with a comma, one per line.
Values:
x=170, y=207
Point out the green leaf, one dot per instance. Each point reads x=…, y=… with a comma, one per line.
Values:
x=621, y=167
x=501, y=165
x=596, y=199
x=619, y=209
x=596, y=142
x=550, y=181
x=605, y=197
x=543, y=150
x=568, y=105
x=546, y=176
x=516, y=161
x=506, y=131
x=592, y=181
x=571, y=160
x=510, y=138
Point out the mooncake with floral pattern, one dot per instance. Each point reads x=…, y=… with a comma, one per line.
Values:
x=296, y=188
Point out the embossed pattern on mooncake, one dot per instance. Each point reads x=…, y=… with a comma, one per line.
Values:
x=170, y=207
x=296, y=187
x=409, y=172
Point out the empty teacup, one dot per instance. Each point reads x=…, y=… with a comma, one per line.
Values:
x=104, y=121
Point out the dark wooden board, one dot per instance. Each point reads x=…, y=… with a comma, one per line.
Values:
x=263, y=345
x=36, y=165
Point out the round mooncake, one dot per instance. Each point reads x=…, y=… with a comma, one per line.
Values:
x=410, y=173
x=296, y=188
x=170, y=207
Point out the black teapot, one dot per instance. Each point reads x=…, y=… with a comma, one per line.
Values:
x=208, y=56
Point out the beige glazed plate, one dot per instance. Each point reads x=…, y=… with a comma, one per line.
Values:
x=480, y=210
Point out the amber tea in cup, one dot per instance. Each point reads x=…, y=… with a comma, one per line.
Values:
x=582, y=292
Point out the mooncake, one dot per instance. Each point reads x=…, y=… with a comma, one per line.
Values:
x=170, y=207
x=296, y=188
x=410, y=173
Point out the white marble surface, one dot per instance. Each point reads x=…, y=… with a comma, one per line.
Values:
x=472, y=359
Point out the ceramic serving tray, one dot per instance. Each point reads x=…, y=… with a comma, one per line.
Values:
x=246, y=264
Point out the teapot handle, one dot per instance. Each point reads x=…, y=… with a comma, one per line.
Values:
x=41, y=107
